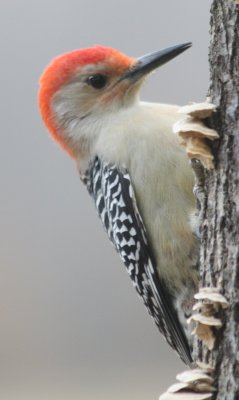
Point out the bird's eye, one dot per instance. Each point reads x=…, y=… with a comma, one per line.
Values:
x=97, y=81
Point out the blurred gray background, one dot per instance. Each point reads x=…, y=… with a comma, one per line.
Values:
x=72, y=326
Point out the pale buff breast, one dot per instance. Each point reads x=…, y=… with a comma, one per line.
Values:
x=142, y=140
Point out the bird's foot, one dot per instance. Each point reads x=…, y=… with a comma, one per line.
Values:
x=195, y=384
x=198, y=191
x=194, y=134
x=209, y=303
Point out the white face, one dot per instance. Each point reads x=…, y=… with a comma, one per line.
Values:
x=94, y=92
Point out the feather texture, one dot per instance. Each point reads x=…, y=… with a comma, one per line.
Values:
x=113, y=194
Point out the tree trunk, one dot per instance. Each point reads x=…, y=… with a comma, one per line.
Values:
x=219, y=258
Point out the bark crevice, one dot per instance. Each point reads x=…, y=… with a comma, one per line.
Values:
x=219, y=255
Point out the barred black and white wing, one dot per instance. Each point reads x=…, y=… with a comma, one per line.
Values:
x=113, y=194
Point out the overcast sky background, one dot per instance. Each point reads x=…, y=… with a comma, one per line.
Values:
x=72, y=326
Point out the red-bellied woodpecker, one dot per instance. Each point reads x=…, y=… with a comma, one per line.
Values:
x=134, y=169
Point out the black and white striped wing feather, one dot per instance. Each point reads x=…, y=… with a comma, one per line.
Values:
x=113, y=194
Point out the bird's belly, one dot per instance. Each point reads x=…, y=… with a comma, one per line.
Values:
x=144, y=144
x=166, y=203
x=172, y=240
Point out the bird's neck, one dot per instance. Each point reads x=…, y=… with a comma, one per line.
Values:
x=79, y=133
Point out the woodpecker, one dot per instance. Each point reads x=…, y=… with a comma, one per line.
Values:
x=135, y=170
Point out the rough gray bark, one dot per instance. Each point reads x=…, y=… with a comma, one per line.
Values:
x=219, y=256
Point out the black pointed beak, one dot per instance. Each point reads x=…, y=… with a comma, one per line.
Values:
x=149, y=62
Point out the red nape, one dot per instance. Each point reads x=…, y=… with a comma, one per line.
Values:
x=61, y=69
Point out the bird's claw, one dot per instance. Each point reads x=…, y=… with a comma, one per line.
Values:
x=198, y=190
x=194, y=136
